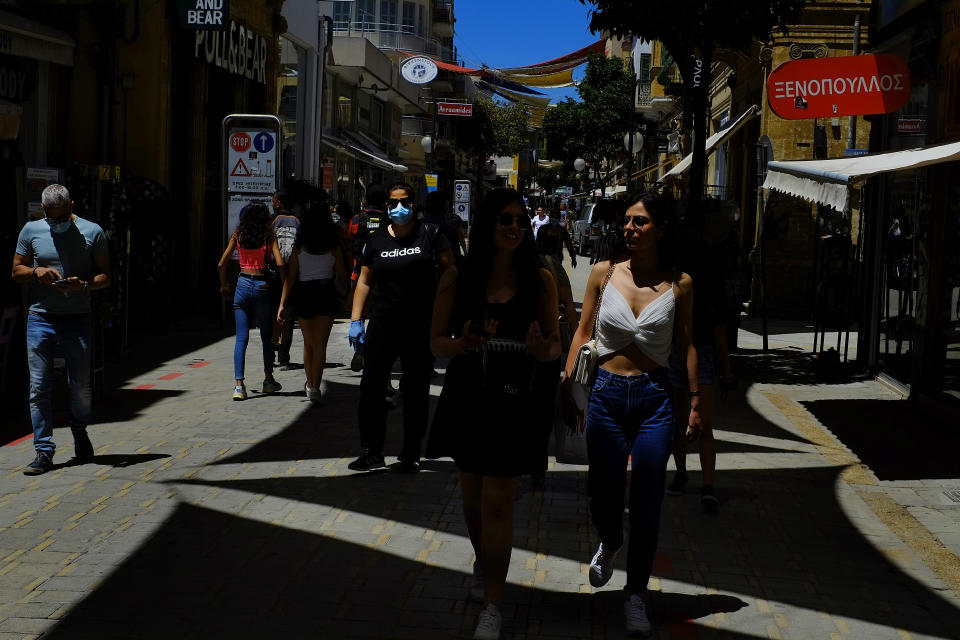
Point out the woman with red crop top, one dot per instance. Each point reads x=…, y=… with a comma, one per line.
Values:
x=254, y=242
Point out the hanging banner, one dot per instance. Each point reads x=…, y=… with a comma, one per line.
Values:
x=431, y=180
x=843, y=86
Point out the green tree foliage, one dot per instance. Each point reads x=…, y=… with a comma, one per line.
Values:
x=563, y=131
x=494, y=129
x=593, y=128
x=692, y=29
x=607, y=94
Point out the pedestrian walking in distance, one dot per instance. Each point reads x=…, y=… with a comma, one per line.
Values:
x=286, y=229
x=254, y=243
x=396, y=287
x=314, y=274
x=709, y=337
x=496, y=318
x=61, y=259
x=645, y=305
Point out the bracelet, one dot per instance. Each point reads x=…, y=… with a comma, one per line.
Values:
x=35, y=274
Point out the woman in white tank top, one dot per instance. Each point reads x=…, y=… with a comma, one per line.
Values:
x=315, y=271
x=643, y=306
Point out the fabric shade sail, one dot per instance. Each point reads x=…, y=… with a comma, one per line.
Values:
x=715, y=140
x=828, y=182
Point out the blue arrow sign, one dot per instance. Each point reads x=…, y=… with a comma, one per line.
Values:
x=263, y=142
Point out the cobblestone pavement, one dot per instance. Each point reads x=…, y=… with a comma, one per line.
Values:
x=203, y=517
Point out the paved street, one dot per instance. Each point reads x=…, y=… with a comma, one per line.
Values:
x=203, y=517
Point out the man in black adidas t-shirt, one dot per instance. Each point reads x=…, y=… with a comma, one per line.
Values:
x=397, y=284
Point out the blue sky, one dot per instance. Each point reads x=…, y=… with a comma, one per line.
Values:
x=515, y=33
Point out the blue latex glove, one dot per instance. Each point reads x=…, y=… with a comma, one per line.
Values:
x=356, y=335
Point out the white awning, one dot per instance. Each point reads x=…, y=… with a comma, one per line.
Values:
x=828, y=181
x=29, y=39
x=715, y=140
x=357, y=147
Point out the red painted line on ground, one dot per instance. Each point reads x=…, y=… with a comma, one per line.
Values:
x=19, y=440
x=170, y=376
x=199, y=364
x=662, y=564
x=145, y=386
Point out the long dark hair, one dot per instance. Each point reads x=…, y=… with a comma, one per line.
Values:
x=478, y=265
x=662, y=207
x=254, y=229
x=318, y=233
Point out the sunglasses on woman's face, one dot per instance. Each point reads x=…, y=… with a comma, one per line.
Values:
x=393, y=202
x=507, y=220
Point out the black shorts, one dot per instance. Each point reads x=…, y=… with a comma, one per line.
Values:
x=315, y=298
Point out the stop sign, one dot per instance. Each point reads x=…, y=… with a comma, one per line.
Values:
x=240, y=142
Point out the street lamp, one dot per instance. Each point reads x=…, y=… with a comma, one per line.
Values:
x=426, y=143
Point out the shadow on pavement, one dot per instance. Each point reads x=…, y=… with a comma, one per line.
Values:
x=208, y=574
x=124, y=405
x=119, y=459
x=781, y=535
x=897, y=439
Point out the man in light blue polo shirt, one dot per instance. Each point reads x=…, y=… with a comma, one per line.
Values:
x=61, y=258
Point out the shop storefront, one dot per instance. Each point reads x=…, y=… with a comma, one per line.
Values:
x=916, y=229
x=216, y=73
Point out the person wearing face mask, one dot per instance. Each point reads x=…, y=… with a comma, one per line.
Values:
x=395, y=291
x=61, y=259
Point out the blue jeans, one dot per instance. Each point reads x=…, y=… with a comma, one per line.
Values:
x=252, y=301
x=629, y=416
x=44, y=334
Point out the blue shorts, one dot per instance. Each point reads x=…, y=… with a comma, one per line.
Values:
x=706, y=373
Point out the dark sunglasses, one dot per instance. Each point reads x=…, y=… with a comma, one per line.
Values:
x=507, y=220
x=392, y=202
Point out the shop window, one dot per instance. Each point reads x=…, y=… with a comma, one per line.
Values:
x=341, y=15
x=367, y=14
x=409, y=17
x=388, y=15
x=344, y=111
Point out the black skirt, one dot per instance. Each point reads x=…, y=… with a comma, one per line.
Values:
x=485, y=423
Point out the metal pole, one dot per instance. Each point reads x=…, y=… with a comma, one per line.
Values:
x=433, y=136
x=852, y=122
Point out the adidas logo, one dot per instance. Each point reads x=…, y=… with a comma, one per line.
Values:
x=396, y=253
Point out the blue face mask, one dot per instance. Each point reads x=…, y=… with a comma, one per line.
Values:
x=400, y=214
x=60, y=227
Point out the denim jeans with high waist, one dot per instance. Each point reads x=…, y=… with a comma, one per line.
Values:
x=252, y=302
x=629, y=417
x=71, y=333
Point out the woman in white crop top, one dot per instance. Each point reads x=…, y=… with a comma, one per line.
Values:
x=644, y=306
x=315, y=271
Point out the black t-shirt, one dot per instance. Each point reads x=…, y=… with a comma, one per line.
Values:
x=404, y=272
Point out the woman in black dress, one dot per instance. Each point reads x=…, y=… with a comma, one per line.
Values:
x=495, y=317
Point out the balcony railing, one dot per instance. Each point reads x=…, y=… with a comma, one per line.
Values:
x=442, y=11
x=393, y=37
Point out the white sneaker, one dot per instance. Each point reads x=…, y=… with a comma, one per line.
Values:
x=635, y=611
x=488, y=624
x=601, y=567
x=476, y=589
x=239, y=392
x=313, y=394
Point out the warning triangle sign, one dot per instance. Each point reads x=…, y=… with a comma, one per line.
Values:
x=240, y=169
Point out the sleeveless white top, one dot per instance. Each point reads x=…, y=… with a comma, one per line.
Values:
x=651, y=331
x=316, y=266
